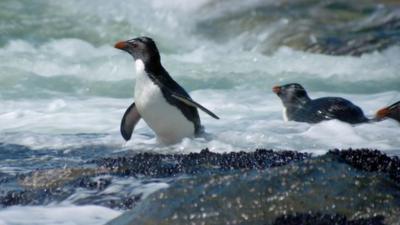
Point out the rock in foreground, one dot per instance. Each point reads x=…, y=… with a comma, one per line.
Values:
x=327, y=185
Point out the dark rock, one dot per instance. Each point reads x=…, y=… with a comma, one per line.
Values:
x=237, y=187
x=324, y=184
x=54, y=178
x=124, y=203
x=16, y=198
x=28, y=197
x=325, y=219
x=329, y=27
x=4, y=178
x=370, y=161
x=89, y=183
x=374, y=37
x=159, y=165
x=55, y=185
x=46, y=196
x=13, y=151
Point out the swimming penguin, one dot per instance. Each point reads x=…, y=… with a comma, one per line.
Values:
x=163, y=104
x=392, y=111
x=299, y=107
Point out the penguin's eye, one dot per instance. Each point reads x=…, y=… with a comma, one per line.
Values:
x=134, y=45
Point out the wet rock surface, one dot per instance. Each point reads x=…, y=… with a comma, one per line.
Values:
x=260, y=187
x=325, y=219
x=368, y=38
x=371, y=161
x=44, y=186
x=330, y=27
x=160, y=165
x=326, y=185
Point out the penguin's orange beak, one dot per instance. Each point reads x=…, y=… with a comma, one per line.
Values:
x=382, y=113
x=276, y=89
x=121, y=45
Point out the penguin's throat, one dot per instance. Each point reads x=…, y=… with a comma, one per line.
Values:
x=148, y=67
x=139, y=66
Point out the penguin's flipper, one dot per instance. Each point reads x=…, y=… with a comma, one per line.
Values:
x=192, y=103
x=129, y=121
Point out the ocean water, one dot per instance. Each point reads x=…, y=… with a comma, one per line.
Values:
x=64, y=88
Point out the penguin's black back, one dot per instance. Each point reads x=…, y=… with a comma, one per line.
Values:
x=328, y=108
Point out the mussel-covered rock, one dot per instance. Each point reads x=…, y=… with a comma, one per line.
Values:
x=327, y=185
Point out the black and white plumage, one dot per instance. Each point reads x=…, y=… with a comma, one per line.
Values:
x=392, y=111
x=163, y=104
x=299, y=107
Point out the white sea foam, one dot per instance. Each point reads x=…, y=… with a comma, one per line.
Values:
x=249, y=119
x=81, y=60
x=57, y=214
x=250, y=113
x=67, y=57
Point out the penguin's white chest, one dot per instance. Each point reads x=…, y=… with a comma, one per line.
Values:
x=167, y=121
x=284, y=114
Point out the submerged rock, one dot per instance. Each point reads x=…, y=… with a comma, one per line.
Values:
x=326, y=185
x=53, y=178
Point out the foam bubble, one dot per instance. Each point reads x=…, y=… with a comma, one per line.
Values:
x=335, y=133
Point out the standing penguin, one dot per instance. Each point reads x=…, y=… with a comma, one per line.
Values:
x=299, y=107
x=163, y=104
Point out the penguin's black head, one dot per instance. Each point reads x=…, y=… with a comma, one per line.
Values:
x=291, y=94
x=143, y=48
